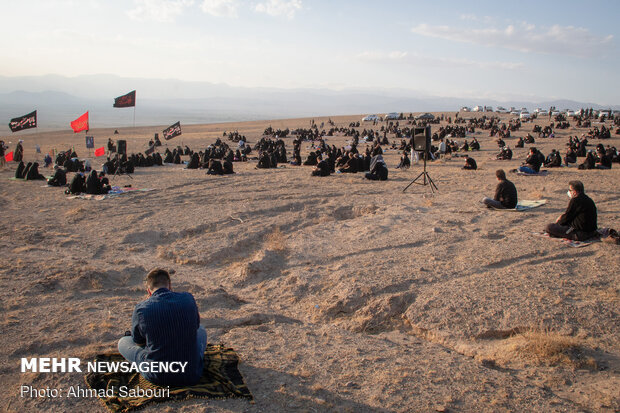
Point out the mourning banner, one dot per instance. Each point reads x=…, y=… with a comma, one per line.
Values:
x=172, y=131
x=125, y=101
x=24, y=122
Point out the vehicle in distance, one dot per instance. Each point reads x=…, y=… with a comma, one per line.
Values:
x=425, y=116
x=501, y=109
x=524, y=115
x=392, y=116
x=370, y=118
x=478, y=109
x=465, y=109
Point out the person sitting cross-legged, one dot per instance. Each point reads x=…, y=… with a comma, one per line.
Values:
x=166, y=328
x=578, y=222
x=505, y=193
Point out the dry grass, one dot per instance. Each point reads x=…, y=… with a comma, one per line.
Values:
x=275, y=241
x=548, y=348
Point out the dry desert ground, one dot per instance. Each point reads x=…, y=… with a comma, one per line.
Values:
x=339, y=294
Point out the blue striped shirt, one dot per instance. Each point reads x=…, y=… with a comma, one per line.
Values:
x=166, y=325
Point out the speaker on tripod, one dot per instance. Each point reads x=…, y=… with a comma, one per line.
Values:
x=422, y=143
x=121, y=147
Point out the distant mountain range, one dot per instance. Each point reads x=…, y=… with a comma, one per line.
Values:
x=60, y=100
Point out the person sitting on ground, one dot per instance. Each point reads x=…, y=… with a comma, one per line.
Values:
x=93, y=184
x=571, y=156
x=227, y=168
x=474, y=145
x=504, y=154
x=405, y=162
x=166, y=328
x=194, y=162
x=603, y=161
x=589, y=162
x=264, y=161
x=520, y=143
x=351, y=166
x=505, y=193
x=322, y=168
x=215, y=167
x=554, y=160
x=312, y=159
x=77, y=184
x=59, y=178
x=378, y=169
x=578, y=222
x=19, y=172
x=464, y=147
x=33, y=173
x=532, y=163
x=470, y=163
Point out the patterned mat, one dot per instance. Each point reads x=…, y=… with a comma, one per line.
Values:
x=115, y=191
x=524, y=205
x=220, y=379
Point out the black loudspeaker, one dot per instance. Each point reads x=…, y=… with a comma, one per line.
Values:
x=422, y=138
x=121, y=147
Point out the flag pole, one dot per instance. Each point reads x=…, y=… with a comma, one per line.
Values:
x=134, y=115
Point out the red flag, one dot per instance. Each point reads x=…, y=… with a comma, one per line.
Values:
x=8, y=157
x=100, y=151
x=80, y=123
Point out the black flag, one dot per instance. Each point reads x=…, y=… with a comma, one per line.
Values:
x=125, y=101
x=24, y=122
x=172, y=131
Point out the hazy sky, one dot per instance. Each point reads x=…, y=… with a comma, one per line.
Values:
x=495, y=49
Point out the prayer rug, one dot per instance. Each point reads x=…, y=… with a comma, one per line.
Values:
x=524, y=205
x=541, y=173
x=115, y=191
x=220, y=379
x=569, y=242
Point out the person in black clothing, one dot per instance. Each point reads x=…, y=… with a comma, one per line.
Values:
x=553, y=160
x=322, y=168
x=215, y=167
x=77, y=184
x=378, y=169
x=520, y=143
x=570, y=157
x=603, y=161
x=578, y=222
x=405, y=162
x=504, y=154
x=589, y=162
x=19, y=172
x=505, y=193
x=470, y=163
x=33, y=173
x=59, y=178
x=532, y=163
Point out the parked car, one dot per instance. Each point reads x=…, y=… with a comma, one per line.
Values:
x=514, y=111
x=604, y=113
x=501, y=109
x=370, y=118
x=525, y=115
x=465, y=109
x=478, y=109
x=425, y=116
x=392, y=116
x=570, y=113
x=488, y=108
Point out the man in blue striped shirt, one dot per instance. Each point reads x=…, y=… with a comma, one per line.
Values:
x=166, y=328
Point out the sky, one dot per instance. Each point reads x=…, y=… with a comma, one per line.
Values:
x=482, y=49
